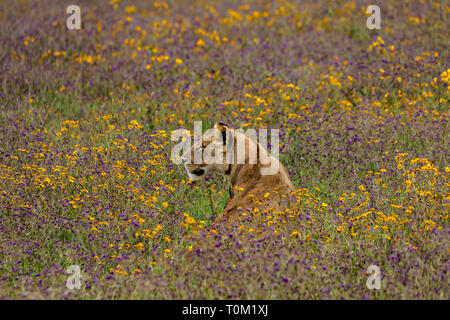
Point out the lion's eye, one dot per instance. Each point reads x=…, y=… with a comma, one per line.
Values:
x=201, y=147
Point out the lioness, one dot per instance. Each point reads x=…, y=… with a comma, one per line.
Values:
x=257, y=179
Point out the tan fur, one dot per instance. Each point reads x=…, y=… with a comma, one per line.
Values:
x=248, y=188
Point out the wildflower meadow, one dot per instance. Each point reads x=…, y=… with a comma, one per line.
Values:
x=93, y=207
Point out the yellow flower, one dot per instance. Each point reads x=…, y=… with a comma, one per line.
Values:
x=165, y=204
x=178, y=61
x=130, y=9
x=200, y=42
x=189, y=220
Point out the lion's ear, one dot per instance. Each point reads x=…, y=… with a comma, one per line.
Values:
x=222, y=127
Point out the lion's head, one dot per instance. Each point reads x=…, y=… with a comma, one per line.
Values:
x=222, y=149
x=209, y=153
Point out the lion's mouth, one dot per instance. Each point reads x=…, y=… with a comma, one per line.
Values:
x=198, y=172
x=195, y=174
